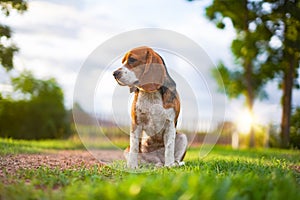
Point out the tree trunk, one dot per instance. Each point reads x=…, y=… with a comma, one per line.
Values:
x=250, y=99
x=248, y=78
x=287, y=88
x=252, y=134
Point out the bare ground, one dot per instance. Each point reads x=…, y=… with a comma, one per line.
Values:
x=70, y=159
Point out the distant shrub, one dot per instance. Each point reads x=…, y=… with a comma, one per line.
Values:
x=274, y=136
x=37, y=112
x=295, y=129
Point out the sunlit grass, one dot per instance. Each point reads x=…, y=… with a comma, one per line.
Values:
x=223, y=174
x=10, y=146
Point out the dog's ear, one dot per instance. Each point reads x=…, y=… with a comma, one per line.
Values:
x=170, y=96
x=154, y=73
x=149, y=60
x=169, y=92
x=125, y=58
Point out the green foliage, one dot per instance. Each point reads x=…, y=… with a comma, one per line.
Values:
x=223, y=174
x=38, y=90
x=232, y=88
x=220, y=10
x=8, y=5
x=295, y=129
x=40, y=113
x=274, y=136
x=251, y=48
x=7, y=49
x=283, y=22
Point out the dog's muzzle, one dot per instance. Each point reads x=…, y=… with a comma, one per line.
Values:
x=117, y=74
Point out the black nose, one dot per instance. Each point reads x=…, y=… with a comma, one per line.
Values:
x=117, y=74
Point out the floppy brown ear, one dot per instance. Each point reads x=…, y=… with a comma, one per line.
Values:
x=154, y=73
x=125, y=58
x=169, y=94
x=149, y=60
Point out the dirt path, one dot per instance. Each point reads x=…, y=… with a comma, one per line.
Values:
x=71, y=159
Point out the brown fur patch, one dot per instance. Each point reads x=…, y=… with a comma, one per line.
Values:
x=153, y=143
x=147, y=66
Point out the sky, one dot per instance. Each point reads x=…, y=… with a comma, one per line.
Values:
x=56, y=38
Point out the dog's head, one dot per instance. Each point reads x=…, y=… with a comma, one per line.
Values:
x=142, y=68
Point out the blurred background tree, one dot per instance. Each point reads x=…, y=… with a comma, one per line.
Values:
x=283, y=20
x=248, y=77
x=36, y=111
x=266, y=48
x=7, y=48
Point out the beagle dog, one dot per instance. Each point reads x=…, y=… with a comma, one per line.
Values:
x=154, y=112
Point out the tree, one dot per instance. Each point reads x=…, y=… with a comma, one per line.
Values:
x=284, y=23
x=38, y=112
x=249, y=77
x=7, y=48
x=266, y=47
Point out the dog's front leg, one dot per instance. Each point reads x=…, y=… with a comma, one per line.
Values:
x=169, y=142
x=135, y=137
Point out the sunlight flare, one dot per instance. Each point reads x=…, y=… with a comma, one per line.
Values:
x=245, y=121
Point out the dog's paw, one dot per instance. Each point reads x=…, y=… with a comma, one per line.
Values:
x=132, y=161
x=159, y=165
x=132, y=164
x=175, y=164
x=180, y=163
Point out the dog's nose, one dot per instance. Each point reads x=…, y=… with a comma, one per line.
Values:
x=117, y=74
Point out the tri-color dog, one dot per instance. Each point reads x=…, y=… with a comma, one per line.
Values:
x=154, y=112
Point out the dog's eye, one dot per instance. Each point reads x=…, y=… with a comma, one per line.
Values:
x=131, y=60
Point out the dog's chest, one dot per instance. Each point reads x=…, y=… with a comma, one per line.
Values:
x=150, y=113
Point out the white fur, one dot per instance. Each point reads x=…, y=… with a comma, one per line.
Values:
x=132, y=161
x=128, y=77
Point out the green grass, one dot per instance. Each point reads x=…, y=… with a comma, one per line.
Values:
x=223, y=174
x=10, y=147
